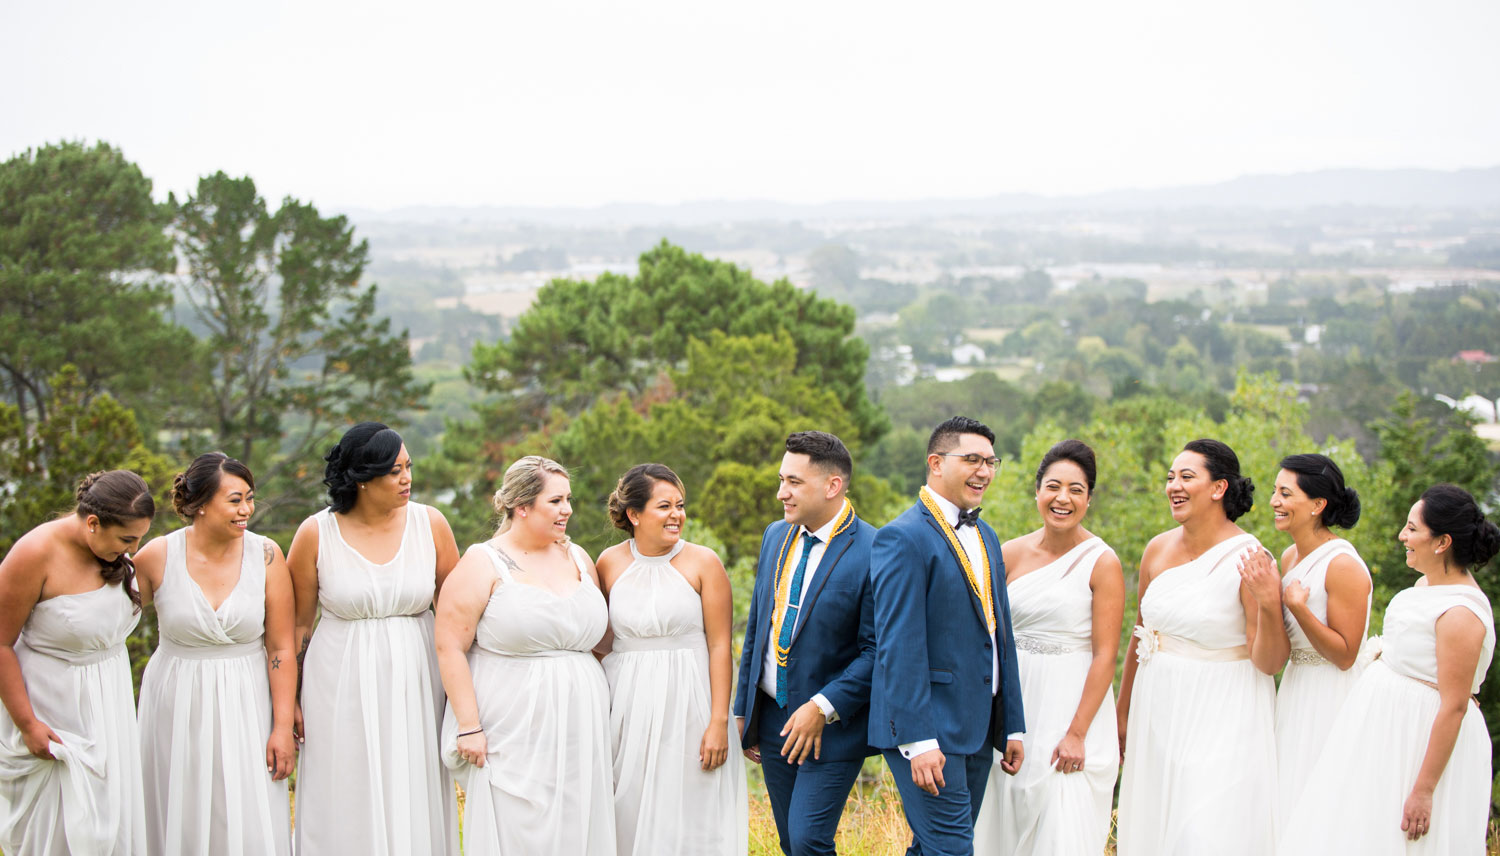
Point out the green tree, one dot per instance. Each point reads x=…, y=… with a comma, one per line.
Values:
x=81, y=244
x=583, y=340
x=42, y=462
x=293, y=348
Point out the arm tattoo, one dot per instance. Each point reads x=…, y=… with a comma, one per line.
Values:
x=276, y=662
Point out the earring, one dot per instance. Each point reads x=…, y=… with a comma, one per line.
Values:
x=92, y=530
x=200, y=512
x=361, y=487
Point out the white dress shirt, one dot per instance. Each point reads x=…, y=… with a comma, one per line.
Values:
x=814, y=558
x=969, y=539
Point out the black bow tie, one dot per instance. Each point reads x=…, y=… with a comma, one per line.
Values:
x=970, y=517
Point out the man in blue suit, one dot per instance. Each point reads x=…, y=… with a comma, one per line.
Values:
x=804, y=681
x=946, y=689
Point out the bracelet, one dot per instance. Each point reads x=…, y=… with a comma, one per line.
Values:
x=467, y=733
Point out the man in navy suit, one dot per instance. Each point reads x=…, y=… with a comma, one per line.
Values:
x=946, y=689
x=804, y=682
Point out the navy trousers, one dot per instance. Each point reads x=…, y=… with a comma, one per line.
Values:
x=807, y=800
x=943, y=825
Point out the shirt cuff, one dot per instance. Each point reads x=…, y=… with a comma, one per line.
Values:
x=1017, y=736
x=912, y=750
x=829, y=714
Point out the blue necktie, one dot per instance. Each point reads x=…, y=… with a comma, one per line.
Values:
x=789, y=619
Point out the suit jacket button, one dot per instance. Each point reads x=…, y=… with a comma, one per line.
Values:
x=893, y=728
x=986, y=678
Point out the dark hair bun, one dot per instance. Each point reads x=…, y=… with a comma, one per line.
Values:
x=366, y=451
x=1486, y=541
x=1343, y=514
x=81, y=493
x=1448, y=509
x=1239, y=497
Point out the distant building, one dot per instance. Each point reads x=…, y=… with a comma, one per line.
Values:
x=1475, y=357
x=968, y=354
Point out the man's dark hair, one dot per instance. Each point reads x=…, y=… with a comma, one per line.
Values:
x=824, y=450
x=945, y=436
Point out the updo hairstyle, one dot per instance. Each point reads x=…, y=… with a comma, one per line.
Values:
x=366, y=451
x=634, y=490
x=1224, y=464
x=1320, y=478
x=199, y=483
x=116, y=497
x=1448, y=509
x=522, y=485
x=1076, y=451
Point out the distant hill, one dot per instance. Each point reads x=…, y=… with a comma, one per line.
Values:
x=1392, y=188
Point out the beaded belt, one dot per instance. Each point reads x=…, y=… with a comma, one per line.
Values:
x=1037, y=646
x=1308, y=657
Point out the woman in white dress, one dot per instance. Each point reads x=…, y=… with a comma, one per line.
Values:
x=1326, y=591
x=370, y=779
x=679, y=791
x=1406, y=766
x=1067, y=599
x=526, y=731
x=1196, y=710
x=70, y=756
x=218, y=696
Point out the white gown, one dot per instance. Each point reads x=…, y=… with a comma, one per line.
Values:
x=1312, y=689
x=1356, y=793
x=544, y=706
x=206, y=715
x=87, y=802
x=660, y=704
x=370, y=779
x=1200, y=755
x=1040, y=810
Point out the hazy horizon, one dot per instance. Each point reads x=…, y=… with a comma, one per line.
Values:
x=381, y=106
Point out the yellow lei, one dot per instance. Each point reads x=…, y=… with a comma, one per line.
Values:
x=783, y=559
x=963, y=558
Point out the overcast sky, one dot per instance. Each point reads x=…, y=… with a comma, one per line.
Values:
x=378, y=105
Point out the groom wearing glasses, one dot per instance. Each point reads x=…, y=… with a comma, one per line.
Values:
x=946, y=691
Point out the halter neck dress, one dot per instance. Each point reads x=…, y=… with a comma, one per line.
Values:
x=660, y=705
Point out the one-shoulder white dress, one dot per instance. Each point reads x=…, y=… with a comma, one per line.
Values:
x=1040, y=810
x=660, y=705
x=1312, y=689
x=1356, y=792
x=544, y=706
x=1200, y=754
x=371, y=779
x=87, y=802
x=206, y=716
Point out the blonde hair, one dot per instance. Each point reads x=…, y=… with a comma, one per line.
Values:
x=522, y=485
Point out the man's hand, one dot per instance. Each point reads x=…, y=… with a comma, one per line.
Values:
x=753, y=753
x=804, y=733
x=927, y=770
x=1015, y=753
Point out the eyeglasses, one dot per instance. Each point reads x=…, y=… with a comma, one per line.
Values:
x=973, y=459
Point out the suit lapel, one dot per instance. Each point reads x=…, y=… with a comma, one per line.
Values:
x=956, y=566
x=835, y=550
